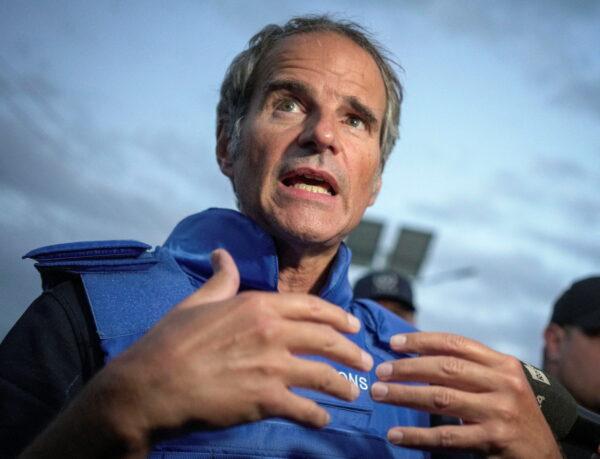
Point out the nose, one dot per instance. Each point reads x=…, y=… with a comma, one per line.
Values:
x=320, y=133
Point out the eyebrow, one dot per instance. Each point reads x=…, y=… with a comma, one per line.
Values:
x=303, y=90
x=362, y=110
x=293, y=86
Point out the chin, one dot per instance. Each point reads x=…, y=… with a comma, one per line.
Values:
x=310, y=235
x=303, y=225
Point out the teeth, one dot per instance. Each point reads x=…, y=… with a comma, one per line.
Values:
x=311, y=188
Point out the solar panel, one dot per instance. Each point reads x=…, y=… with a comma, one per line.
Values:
x=410, y=251
x=363, y=241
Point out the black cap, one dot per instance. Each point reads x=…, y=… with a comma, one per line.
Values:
x=386, y=284
x=579, y=305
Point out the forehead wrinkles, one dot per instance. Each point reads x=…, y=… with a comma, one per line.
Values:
x=341, y=65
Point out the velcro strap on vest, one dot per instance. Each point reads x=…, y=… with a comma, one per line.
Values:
x=88, y=250
x=61, y=262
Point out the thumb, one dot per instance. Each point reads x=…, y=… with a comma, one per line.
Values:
x=223, y=284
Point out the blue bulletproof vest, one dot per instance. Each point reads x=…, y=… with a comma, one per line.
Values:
x=130, y=288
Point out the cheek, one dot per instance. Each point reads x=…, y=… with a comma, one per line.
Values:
x=591, y=353
x=368, y=180
x=262, y=150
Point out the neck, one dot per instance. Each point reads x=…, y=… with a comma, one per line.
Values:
x=302, y=270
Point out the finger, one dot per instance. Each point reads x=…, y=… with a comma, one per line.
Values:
x=449, y=371
x=223, y=284
x=297, y=306
x=320, y=377
x=426, y=343
x=452, y=437
x=288, y=405
x=319, y=339
x=433, y=399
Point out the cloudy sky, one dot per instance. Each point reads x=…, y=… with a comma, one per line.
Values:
x=107, y=131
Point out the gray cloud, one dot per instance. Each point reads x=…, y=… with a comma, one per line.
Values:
x=560, y=169
x=563, y=187
x=585, y=211
x=550, y=184
x=554, y=41
x=518, y=204
x=459, y=209
x=64, y=178
x=510, y=275
x=585, y=246
x=504, y=20
x=582, y=93
x=87, y=173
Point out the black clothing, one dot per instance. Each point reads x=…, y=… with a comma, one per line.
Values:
x=574, y=452
x=45, y=360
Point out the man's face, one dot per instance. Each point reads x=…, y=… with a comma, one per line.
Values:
x=309, y=156
x=576, y=356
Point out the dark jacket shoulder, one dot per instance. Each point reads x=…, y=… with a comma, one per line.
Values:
x=45, y=360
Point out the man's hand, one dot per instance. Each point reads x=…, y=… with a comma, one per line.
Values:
x=217, y=359
x=484, y=388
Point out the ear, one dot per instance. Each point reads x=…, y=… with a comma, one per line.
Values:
x=224, y=158
x=554, y=336
x=376, y=189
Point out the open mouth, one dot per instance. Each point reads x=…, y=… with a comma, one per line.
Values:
x=311, y=181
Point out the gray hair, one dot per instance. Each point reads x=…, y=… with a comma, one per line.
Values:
x=240, y=79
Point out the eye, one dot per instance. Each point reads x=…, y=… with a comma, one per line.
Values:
x=356, y=122
x=288, y=105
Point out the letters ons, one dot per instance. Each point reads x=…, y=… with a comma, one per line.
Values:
x=360, y=381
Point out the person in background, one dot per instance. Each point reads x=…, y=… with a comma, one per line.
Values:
x=572, y=348
x=391, y=290
x=572, y=342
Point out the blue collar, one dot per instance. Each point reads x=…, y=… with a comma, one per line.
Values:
x=253, y=250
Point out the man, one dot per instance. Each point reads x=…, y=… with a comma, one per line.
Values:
x=391, y=290
x=572, y=341
x=308, y=115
